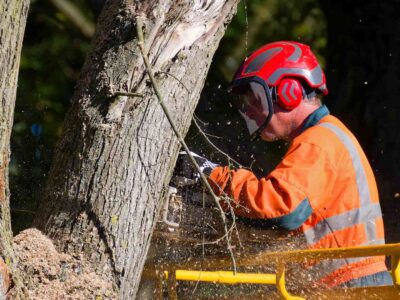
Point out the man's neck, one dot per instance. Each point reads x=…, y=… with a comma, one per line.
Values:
x=299, y=118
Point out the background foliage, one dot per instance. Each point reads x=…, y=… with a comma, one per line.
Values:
x=356, y=42
x=52, y=55
x=54, y=50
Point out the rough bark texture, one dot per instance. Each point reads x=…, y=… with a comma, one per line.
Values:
x=13, y=16
x=116, y=154
x=363, y=64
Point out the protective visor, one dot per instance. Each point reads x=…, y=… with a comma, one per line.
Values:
x=254, y=104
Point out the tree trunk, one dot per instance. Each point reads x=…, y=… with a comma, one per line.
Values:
x=114, y=161
x=363, y=61
x=13, y=16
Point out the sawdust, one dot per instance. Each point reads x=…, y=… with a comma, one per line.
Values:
x=48, y=274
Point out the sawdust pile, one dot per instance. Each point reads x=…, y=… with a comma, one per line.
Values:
x=48, y=274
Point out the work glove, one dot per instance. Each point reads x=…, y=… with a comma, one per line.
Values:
x=189, y=171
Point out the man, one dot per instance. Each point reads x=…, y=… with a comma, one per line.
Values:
x=324, y=187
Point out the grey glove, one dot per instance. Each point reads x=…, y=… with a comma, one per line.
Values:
x=189, y=170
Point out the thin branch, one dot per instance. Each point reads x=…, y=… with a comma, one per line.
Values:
x=21, y=210
x=121, y=93
x=139, y=25
x=204, y=135
x=218, y=240
x=203, y=238
x=204, y=123
x=73, y=13
x=198, y=126
x=176, y=78
x=225, y=197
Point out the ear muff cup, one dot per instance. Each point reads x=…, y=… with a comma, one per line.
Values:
x=289, y=93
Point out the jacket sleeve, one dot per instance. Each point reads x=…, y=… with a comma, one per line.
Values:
x=288, y=195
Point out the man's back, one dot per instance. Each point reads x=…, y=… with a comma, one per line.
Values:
x=323, y=188
x=343, y=196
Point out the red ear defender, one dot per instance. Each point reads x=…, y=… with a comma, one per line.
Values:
x=289, y=94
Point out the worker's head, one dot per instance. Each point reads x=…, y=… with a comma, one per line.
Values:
x=276, y=86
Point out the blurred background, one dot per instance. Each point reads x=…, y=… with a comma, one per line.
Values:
x=356, y=42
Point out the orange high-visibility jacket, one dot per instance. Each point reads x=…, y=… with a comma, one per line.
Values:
x=325, y=188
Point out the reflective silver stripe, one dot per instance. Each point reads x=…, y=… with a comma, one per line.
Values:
x=361, y=215
x=366, y=214
x=361, y=178
x=284, y=94
x=326, y=267
x=374, y=242
x=368, y=211
x=259, y=61
x=292, y=92
x=370, y=229
x=296, y=54
x=323, y=88
x=314, y=76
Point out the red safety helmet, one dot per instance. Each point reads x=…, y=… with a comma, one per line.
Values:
x=278, y=72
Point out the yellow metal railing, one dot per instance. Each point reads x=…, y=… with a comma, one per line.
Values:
x=224, y=277
x=180, y=271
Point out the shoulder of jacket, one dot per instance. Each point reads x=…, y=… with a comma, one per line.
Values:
x=320, y=133
x=322, y=137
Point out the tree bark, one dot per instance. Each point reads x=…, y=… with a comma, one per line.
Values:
x=114, y=161
x=363, y=57
x=13, y=15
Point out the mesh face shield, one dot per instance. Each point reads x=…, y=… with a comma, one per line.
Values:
x=254, y=104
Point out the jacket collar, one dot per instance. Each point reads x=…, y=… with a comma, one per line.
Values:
x=315, y=117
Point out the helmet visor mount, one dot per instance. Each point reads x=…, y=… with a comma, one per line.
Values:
x=253, y=100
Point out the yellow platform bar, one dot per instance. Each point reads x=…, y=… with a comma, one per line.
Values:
x=225, y=277
x=278, y=279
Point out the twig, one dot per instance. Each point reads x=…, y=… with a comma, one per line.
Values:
x=121, y=93
x=21, y=210
x=202, y=245
x=216, y=199
x=204, y=123
x=224, y=237
x=226, y=197
x=75, y=16
x=233, y=212
x=213, y=145
x=233, y=226
x=176, y=78
x=198, y=126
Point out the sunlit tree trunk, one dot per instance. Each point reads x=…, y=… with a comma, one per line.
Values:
x=117, y=153
x=13, y=16
x=363, y=57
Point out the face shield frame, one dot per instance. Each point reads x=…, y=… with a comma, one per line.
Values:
x=237, y=83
